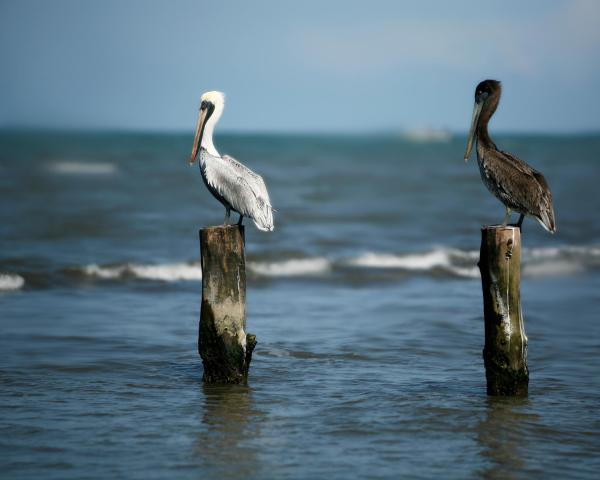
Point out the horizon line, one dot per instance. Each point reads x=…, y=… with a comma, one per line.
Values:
x=400, y=132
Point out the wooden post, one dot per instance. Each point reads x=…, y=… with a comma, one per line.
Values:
x=225, y=348
x=505, y=351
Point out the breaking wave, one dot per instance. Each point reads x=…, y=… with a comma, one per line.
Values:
x=170, y=272
x=291, y=268
x=438, y=262
x=536, y=262
x=11, y=281
x=453, y=261
x=192, y=271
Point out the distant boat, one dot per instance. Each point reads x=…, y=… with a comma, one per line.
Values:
x=426, y=135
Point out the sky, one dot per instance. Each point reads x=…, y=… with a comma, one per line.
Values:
x=308, y=66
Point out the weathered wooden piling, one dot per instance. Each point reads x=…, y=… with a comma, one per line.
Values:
x=223, y=344
x=505, y=351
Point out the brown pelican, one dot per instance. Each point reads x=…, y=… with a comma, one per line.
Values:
x=518, y=186
x=234, y=185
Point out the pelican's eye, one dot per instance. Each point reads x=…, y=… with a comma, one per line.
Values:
x=203, y=106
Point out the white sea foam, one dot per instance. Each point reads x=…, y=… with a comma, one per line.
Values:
x=83, y=168
x=467, y=272
x=291, y=268
x=94, y=270
x=170, y=272
x=457, y=262
x=537, y=262
x=420, y=261
x=555, y=268
x=572, y=251
x=559, y=261
x=11, y=281
x=541, y=253
x=174, y=272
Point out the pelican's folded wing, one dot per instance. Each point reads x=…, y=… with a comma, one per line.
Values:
x=243, y=189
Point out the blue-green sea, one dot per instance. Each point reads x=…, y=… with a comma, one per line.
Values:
x=365, y=300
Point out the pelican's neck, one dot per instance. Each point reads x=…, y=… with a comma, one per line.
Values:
x=483, y=136
x=486, y=113
x=207, y=137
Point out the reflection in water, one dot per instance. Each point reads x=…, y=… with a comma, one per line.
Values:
x=502, y=435
x=226, y=443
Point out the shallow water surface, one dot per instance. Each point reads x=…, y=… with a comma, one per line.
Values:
x=366, y=304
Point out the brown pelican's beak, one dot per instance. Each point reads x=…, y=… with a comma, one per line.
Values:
x=202, y=118
x=471, y=138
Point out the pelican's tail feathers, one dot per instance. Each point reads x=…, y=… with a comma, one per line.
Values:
x=546, y=220
x=264, y=228
x=264, y=219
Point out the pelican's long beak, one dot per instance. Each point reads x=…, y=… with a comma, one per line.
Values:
x=198, y=135
x=474, y=121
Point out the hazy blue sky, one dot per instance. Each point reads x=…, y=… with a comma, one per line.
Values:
x=299, y=66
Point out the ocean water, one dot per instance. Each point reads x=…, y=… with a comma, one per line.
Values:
x=366, y=303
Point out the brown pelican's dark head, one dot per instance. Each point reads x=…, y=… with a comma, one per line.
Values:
x=487, y=94
x=211, y=108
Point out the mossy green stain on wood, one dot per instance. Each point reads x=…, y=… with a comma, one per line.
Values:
x=223, y=344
